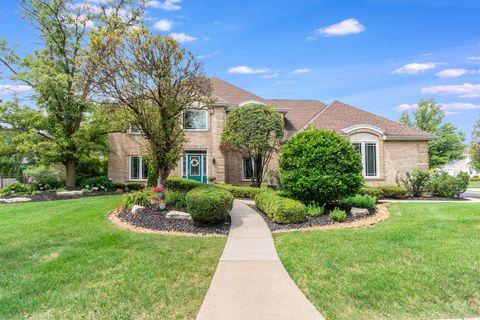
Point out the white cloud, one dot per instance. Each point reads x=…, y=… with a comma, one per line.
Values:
x=451, y=73
x=473, y=59
x=301, y=70
x=168, y=5
x=163, y=25
x=182, y=37
x=415, y=68
x=466, y=90
x=270, y=76
x=406, y=107
x=247, y=70
x=349, y=26
x=447, y=107
x=14, y=88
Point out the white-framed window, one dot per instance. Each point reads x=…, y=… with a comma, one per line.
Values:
x=369, y=153
x=132, y=129
x=195, y=119
x=137, y=168
x=249, y=170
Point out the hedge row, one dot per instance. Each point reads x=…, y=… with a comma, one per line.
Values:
x=185, y=185
x=279, y=209
x=388, y=192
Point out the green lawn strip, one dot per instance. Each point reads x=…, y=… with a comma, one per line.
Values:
x=474, y=184
x=64, y=259
x=423, y=262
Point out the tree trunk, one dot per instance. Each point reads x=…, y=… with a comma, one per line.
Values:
x=162, y=177
x=258, y=171
x=71, y=173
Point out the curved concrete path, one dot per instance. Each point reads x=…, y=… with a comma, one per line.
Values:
x=250, y=281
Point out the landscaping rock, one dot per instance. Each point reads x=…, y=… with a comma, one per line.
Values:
x=15, y=200
x=178, y=215
x=69, y=193
x=359, y=212
x=137, y=209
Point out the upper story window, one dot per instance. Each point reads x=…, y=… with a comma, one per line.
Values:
x=194, y=119
x=134, y=129
x=369, y=153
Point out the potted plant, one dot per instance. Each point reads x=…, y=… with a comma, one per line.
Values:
x=159, y=192
x=211, y=180
x=162, y=205
x=154, y=200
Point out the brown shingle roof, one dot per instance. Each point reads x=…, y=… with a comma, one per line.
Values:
x=300, y=112
x=228, y=93
x=338, y=116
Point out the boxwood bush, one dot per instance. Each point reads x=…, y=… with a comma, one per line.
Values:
x=370, y=191
x=241, y=192
x=280, y=209
x=182, y=184
x=176, y=199
x=359, y=201
x=393, y=192
x=134, y=186
x=209, y=205
x=319, y=165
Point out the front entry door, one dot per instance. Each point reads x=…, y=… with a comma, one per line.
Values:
x=195, y=165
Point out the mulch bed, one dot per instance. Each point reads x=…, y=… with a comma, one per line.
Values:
x=50, y=196
x=309, y=222
x=154, y=219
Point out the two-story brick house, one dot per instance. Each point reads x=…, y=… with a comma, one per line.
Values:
x=387, y=147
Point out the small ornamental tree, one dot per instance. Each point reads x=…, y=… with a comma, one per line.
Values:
x=319, y=165
x=255, y=130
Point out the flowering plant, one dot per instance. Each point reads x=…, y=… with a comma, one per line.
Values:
x=158, y=189
x=153, y=197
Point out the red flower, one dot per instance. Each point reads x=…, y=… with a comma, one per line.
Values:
x=158, y=189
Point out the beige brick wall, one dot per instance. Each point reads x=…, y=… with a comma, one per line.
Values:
x=394, y=156
x=123, y=145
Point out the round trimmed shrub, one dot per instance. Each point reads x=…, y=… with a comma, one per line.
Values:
x=209, y=205
x=319, y=165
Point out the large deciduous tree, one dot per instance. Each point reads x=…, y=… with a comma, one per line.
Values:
x=154, y=80
x=254, y=130
x=64, y=123
x=448, y=144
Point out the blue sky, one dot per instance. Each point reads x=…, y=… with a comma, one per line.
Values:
x=381, y=56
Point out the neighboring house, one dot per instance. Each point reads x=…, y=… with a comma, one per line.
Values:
x=387, y=147
x=455, y=167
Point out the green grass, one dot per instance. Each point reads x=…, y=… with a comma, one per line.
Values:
x=474, y=184
x=64, y=260
x=421, y=263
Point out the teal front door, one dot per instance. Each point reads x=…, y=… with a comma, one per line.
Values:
x=195, y=166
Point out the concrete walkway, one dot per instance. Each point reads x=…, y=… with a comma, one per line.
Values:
x=250, y=281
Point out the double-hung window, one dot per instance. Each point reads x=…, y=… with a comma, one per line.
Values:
x=195, y=119
x=250, y=171
x=138, y=168
x=369, y=153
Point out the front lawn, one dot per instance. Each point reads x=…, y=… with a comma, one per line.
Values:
x=63, y=259
x=423, y=262
x=474, y=184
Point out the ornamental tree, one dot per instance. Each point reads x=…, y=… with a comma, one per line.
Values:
x=319, y=165
x=152, y=80
x=448, y=144
x=254, y=130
